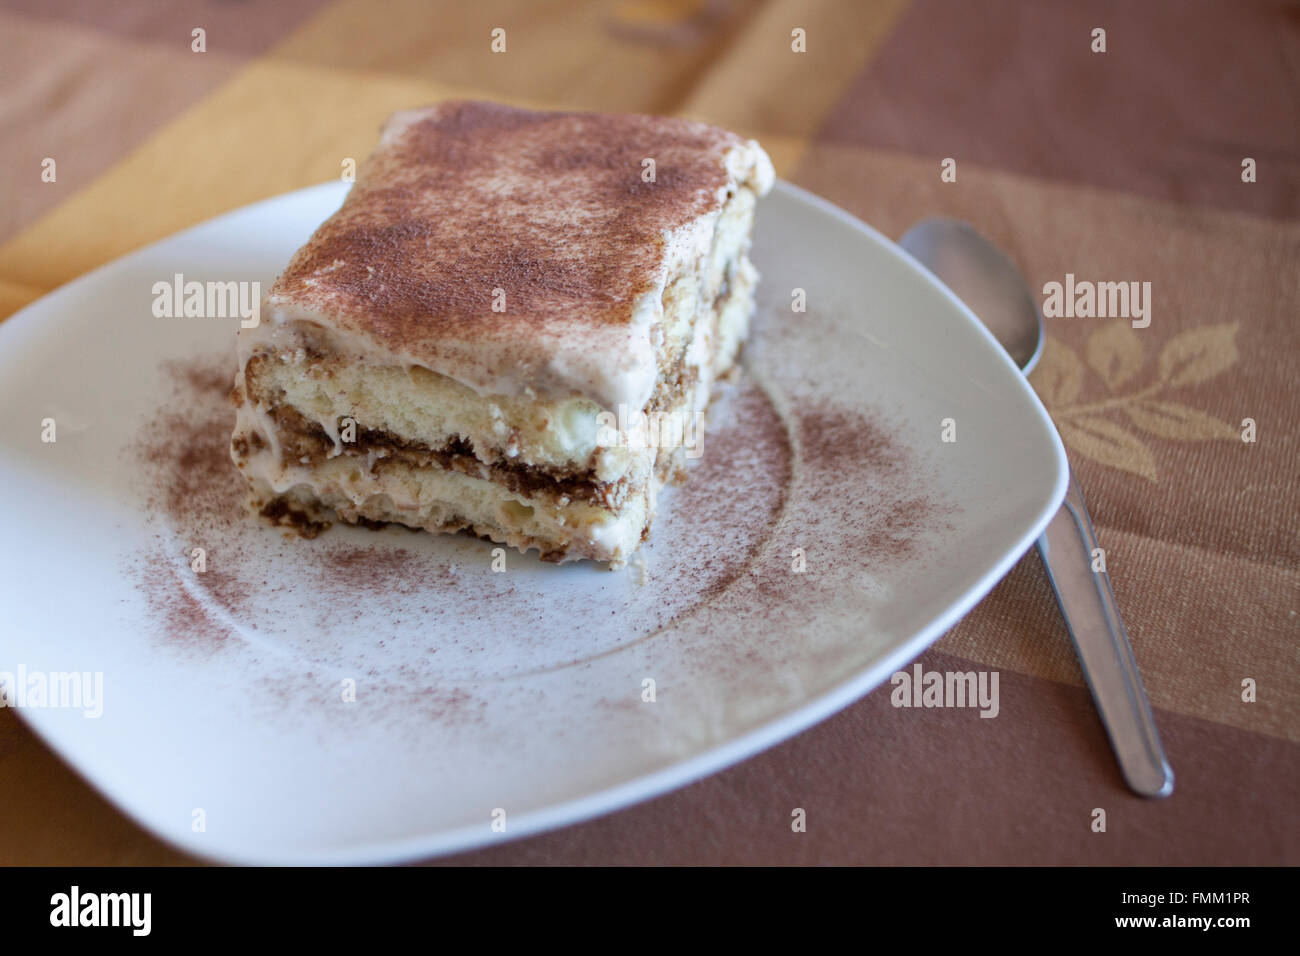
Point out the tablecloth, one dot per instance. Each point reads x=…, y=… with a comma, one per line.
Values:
x=1164, y=149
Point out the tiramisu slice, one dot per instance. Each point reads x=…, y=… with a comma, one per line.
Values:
x=479, y=336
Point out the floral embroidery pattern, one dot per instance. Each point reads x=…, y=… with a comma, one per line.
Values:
x=1099, y=430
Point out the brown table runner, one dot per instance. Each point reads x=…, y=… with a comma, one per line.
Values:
x=1173, y=157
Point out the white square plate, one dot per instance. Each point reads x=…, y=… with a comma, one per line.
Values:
x=826, y=538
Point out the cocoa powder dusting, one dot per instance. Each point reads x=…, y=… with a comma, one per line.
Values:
x=466, y=198
x=183, y=617
x=421, y=620
x=835, y=442
x=196, y=498
x=836, y=484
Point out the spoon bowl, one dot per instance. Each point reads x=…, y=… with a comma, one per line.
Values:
x=982, y=276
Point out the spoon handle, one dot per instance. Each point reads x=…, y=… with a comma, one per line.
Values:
x=1067, y=549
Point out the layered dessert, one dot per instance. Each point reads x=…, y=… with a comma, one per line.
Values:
x=512, y=326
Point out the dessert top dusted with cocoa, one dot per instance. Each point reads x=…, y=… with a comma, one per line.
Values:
x=479, y=223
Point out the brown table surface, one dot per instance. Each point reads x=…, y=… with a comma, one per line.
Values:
x=1125, y=164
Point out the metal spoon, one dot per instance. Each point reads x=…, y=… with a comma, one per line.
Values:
x=988, y=282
